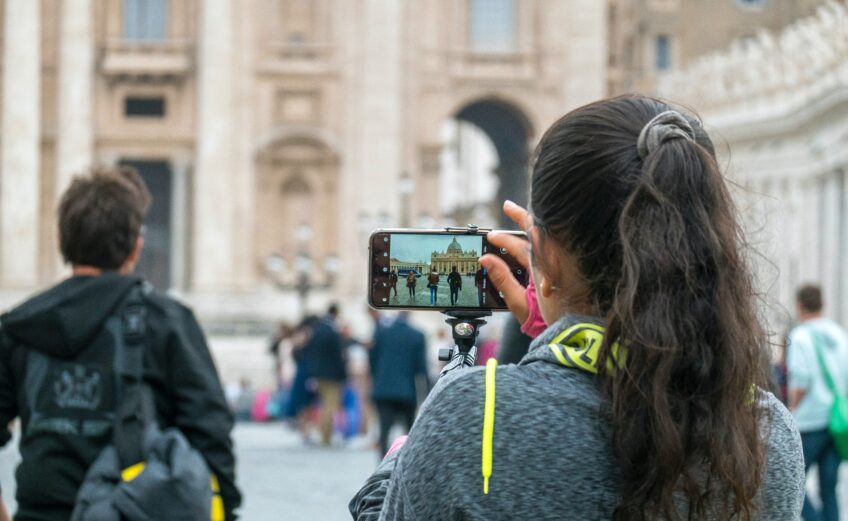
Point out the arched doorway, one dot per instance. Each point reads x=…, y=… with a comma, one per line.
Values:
x=485, y=160
x=297, y=189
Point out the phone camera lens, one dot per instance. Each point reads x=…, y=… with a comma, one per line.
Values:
x=385, y=239
x=519, y=272
x=503, y=251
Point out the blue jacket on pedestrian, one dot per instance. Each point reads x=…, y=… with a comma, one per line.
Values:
x=397, y=357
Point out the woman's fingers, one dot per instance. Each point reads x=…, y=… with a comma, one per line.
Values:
x=498, y=270
x=517, y=214
x=504, y=281
x=516, y=245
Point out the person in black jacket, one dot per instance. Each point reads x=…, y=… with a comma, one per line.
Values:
x=323, y=357
x=455, y=284
x=397, y=358
x=100, y=235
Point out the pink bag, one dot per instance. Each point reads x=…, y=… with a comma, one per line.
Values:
x=259, y=410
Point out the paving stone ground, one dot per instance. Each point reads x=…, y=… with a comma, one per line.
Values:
x=467, y=295
x=281, y=479
x=284, y=480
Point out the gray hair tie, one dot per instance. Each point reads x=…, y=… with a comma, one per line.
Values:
x=664, y=127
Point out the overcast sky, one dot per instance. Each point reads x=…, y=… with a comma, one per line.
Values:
x=408, y=247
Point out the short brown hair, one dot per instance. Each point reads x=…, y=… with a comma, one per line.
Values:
x=100, y=217
x=809, y=298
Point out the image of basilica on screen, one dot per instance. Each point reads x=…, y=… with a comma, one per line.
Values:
x=436, y=270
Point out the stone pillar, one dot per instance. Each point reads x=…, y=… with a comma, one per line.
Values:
x=829, y=260
x=586, y=51
x=21, y=137
x=427, y=188
x=372, y=164
x=213, y=230
x=244, y=184
x=75, y=123
x=180, y=171
x=843, y=252
x=794, y=245
x=784, y=260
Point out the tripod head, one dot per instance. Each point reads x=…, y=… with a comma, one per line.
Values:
x=465, y=326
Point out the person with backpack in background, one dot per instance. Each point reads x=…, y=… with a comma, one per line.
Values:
x=817, y=359
x=433, y=286
x=455, y=285
x=411, y=282
x=643, y=396
x=64, y=354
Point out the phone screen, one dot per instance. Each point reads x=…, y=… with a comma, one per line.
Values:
x=424, y=269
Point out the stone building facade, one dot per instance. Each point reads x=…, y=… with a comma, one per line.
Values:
x=465, y=261
x=274, y=134
x=778, y=110
x=650, y=37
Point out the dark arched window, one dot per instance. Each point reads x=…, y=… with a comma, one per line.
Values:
x=145, y=20
x=492, y=25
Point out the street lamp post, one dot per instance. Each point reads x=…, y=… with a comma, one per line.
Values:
x=302, y=281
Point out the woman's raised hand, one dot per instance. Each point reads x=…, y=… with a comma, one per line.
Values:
x=499, y=272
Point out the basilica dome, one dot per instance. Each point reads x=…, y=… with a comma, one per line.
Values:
x=455, y=247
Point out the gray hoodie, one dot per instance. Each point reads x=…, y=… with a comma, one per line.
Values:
x=551, y=451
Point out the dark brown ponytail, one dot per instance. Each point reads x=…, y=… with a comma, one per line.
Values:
x=657, y=240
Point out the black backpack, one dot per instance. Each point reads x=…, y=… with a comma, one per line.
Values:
x=145, y=474
x=98, y=398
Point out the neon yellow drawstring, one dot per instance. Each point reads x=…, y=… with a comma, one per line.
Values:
x=489, y=422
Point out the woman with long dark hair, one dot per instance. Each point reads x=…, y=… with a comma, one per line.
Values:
x=644, y=399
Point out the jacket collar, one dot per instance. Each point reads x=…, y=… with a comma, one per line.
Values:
x=572, y=341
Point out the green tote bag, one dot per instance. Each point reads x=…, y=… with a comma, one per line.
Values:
x=838, y=424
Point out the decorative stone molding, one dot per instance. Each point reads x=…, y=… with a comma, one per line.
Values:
x=770, y=76
x=161, y=60
x=777, y=108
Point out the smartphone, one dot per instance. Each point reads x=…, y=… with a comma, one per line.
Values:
x=435, y=269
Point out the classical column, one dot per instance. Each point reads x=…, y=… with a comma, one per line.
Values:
x=829, y=260
x=20, y=201
x=213, y=230
x=244, y=184
x=180, y=171
x=586, y=51
x=372, y=160
x=843, y=252
x=74, y=129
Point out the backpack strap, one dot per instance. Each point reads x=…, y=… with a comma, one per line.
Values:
x=828, y=378
x=135, y=410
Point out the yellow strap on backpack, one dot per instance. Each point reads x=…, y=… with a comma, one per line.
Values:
x=133, y=471
x=217, y=501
